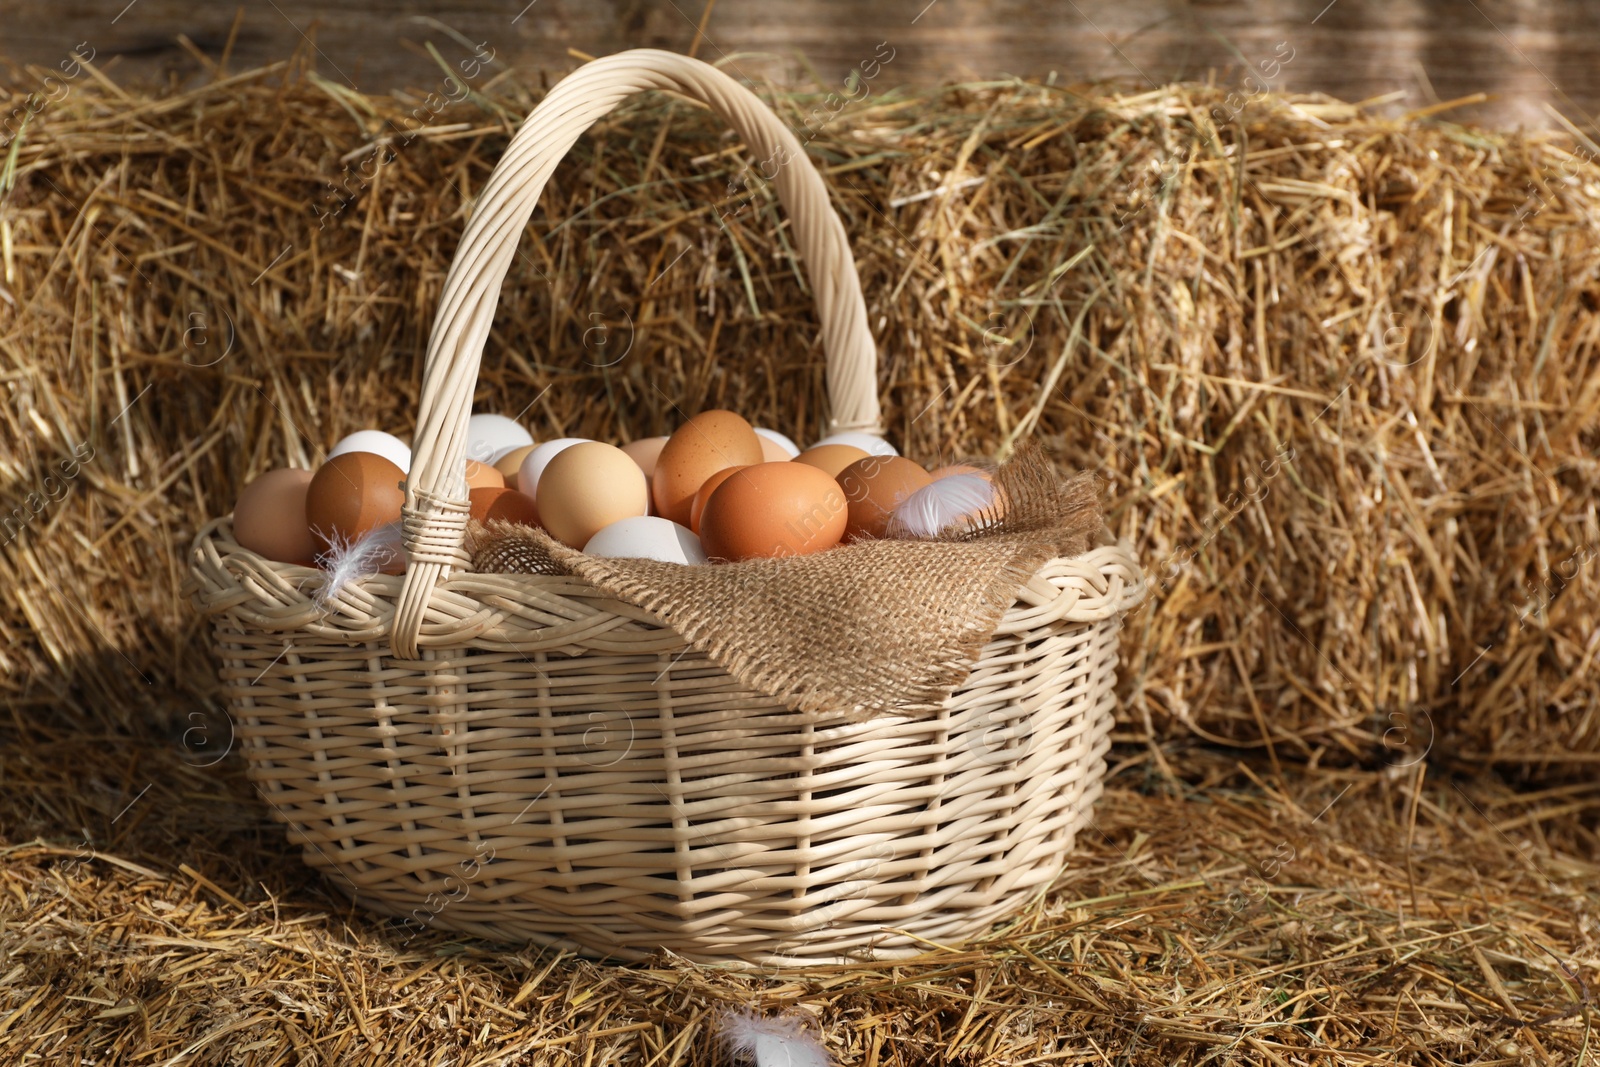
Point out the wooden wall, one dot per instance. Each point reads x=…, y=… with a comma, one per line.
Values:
x=1528, y=52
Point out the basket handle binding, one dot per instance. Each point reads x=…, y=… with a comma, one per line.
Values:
x=434, y=517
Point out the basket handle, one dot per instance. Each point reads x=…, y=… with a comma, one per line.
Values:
x=435, y=513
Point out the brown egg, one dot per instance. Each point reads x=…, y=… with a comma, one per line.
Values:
x=645, y=452
x=698, y=449
x=705, y=491
x=352, y=495
x=483, y=476
x=270, y=517
x=873, y=487
x=511, y=462
x=771, y=510
x=504, y=504
x=587, y=487
x=831, y=459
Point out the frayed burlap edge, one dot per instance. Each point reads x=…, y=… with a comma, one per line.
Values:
x=874, y=626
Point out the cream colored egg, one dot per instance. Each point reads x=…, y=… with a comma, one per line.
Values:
x=645, y=452
x=534, y=463
x=587, y=487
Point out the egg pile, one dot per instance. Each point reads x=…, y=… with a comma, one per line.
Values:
x=716, y=489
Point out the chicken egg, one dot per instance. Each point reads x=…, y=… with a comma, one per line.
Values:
x=831, y=459
x=350, y=496
x=491, y=435
x=506, y=505
x=645, y=452
x=771, y=510
x=646, y=537
x=698, y=449
x=534, y=463
x=873, y=488
x=378, y=443
x=509, y=462
x=270, y=517
x=586, y=488
x=483, y=476
x=776, y=446
x=703, y=494
x=869, y=443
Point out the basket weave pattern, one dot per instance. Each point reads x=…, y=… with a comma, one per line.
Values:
x=573, y=774
x=524, y=758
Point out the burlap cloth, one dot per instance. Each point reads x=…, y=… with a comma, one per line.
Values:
x=870, y=626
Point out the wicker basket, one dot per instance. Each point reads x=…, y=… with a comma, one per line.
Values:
x=522, y=758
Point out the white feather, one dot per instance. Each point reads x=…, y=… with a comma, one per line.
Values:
x=940, y=505
x=773, y=1041
x=354, y=561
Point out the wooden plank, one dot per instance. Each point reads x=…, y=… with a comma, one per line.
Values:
x=1526, y=55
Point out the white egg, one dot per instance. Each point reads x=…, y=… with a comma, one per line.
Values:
x=378, y=443
x=780, y=440
x=872, y=444
x=941, y=504
x=534, y=463
x=489, y=436
x=647, y=537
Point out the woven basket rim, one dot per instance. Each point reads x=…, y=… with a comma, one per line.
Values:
x=1103, y=582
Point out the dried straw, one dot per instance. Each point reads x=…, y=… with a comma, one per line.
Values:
x=1212, y=918
x=1338, y=371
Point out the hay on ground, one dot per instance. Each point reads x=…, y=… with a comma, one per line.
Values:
x=1219, y=917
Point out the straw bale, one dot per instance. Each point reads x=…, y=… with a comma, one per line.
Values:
x=1338, y=371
